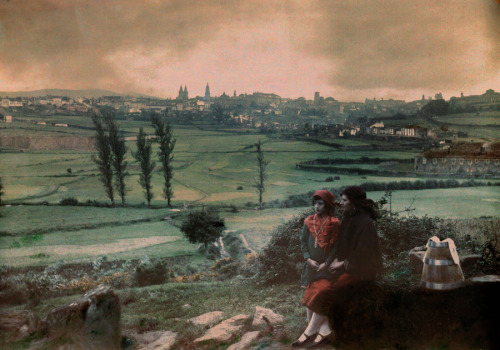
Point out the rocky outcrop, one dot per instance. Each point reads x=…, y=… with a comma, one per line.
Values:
x=209, y=319
x=91, y=322
x=15, y=325
x=266, y=317
x=416, y=258
x=225, y=330
x=246, y=341
x=158, y=340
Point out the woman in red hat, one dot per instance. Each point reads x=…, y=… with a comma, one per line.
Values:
x=317, y=240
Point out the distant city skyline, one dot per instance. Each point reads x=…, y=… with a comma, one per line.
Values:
x=349, y=50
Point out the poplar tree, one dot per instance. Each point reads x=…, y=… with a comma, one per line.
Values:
x=103, y=159
x=166, y=142
x=143, y=156
x=1, y=190
x=261, y=173
x=118, y=153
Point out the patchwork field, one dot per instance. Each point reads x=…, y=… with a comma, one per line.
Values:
x=210, y=168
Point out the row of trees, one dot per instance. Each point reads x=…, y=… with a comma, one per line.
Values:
x=111, y=152
x=110, y=157
x=1, y=190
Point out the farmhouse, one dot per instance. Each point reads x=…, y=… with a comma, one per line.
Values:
x=465, y=159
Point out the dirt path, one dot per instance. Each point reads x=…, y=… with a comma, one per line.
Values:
x=246, y=243
x=120, y=245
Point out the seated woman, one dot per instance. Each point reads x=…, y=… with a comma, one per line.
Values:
x=317, y=240
x=356, y=256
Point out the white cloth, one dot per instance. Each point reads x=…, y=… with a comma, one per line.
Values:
x=453, y=250
x=451, y=246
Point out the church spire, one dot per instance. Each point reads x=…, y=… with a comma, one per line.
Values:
x=207, y=93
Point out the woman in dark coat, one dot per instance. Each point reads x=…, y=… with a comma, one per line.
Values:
x=356, y=257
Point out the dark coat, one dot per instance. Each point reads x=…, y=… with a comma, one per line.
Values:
x=358, y=246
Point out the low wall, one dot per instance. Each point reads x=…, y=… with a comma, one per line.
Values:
x=46, y=143
x=457, y=166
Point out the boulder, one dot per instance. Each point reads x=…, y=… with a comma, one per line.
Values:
x=225, y=330
x=91, y=322
x=246, y=341
x=416, y=257
x=266, y=317
x=158, y=340
x=486, y=279
x=15, y=325
x=208, y=319
x=468, y=262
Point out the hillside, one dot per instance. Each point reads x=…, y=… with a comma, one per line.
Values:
x=89, y=93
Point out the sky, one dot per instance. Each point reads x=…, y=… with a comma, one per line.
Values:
x=346, y=49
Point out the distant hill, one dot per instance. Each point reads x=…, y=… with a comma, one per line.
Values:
x=89, y=93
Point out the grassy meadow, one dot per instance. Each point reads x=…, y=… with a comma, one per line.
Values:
x=210, y=168
x=61, y=248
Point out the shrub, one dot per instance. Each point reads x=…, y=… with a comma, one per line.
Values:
x=281, y=260
x=69, y=201
x=149, y=273
x=203, y=226
x=239, y=188
x=329, y=179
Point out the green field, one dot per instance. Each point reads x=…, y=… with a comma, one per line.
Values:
x=210, y=168
x=482, y=118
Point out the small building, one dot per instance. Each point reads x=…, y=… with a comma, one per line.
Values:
x=61, y=125
x=8, y=119
x=464, y=159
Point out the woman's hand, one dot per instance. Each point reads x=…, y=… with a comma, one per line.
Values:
x=336, y=265
x=322, y=267
x=312, y=264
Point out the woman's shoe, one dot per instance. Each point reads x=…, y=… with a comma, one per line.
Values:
x=323, y=340
x=298, y=343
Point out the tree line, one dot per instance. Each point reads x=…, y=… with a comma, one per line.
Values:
x=111, y=152
x=112, y=166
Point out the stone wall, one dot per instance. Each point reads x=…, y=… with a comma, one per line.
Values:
x=46, y=143
x=489, y=167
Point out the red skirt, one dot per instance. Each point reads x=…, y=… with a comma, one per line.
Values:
x=319, y=294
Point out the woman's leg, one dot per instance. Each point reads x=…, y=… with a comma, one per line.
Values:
x=325, y=329
x=309, y=314
x=314, y=325
x=312, y=328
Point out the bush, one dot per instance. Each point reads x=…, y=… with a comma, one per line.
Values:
x=203, y=226
x=149, y=273
x=281, y=260
x=239, y=188
x=69, y=201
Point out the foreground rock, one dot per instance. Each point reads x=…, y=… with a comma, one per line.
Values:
x=225, y=330
x=209, y=319
x=158, y=340
x=15, y=325
x=91, y=322
x=377, y=315
x=266, y=317
x=246, y=341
